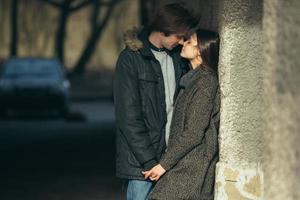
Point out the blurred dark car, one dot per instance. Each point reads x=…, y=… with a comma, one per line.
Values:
x=33, y=84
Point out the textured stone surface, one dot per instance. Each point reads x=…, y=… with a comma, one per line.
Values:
x=253, y=186
x=241, y=81
x=238, y=183
x=282, y=116
x=240, y=67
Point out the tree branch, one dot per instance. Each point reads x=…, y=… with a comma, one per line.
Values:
x=80, y=5
x=53, y=3
x=95, y=14
x=107, y=3
x=108, y=14
x=92, y=41
x=88, y=2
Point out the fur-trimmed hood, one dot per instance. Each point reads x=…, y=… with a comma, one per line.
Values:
x=131, y=39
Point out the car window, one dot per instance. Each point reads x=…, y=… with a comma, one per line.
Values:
x=34, y=68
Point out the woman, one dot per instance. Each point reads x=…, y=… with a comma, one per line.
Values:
x=188, y=165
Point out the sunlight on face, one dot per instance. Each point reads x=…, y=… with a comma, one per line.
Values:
x=193, y=40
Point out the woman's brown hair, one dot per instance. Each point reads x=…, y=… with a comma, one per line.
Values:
x=209, y=44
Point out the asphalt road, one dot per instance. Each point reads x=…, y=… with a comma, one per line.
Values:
x=51, y=158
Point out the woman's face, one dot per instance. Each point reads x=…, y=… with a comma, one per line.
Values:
x=190, y=48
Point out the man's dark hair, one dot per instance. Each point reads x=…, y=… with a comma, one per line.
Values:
x=172, y=18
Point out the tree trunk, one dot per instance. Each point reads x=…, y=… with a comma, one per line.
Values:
x=147, y=8
x=14, y=28
x=61, y=31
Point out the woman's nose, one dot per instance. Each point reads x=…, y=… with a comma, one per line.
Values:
x=184, y=43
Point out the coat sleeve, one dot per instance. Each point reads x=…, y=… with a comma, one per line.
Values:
x=198, y=114
x=128, y=110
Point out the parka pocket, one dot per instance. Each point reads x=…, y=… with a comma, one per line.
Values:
x=133, y=161
x=148, y=86
x=148, y=77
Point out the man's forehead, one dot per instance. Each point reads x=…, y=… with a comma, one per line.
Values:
x=188, y=35
x=181, y=35
x=178, y=34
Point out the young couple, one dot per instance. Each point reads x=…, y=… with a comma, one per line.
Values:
x=167, y=109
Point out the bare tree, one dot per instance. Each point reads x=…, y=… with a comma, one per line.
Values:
x=66, y=7
x=97, y=26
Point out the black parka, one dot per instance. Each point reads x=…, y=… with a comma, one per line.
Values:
x=140, y=107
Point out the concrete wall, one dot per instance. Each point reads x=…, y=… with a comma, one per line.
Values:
x=239, y=172
x=282, y=97
x=260, y=80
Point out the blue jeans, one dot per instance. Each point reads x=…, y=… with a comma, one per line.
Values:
x=138, y=190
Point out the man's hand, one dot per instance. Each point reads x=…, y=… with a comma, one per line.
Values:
x=155, y=173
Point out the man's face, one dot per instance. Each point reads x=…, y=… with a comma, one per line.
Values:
x=172, y=40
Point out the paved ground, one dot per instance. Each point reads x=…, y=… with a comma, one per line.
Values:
x=49, y=158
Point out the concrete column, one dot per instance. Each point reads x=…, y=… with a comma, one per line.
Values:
x=239, y=173
x=281, y=163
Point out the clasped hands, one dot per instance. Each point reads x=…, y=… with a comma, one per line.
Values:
x=155, y=173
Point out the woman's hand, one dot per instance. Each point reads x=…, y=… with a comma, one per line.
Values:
x=155, y=173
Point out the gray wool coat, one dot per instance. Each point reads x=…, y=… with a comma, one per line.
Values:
x=192, y=152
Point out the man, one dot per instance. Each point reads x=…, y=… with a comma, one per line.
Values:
x=145, y=84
